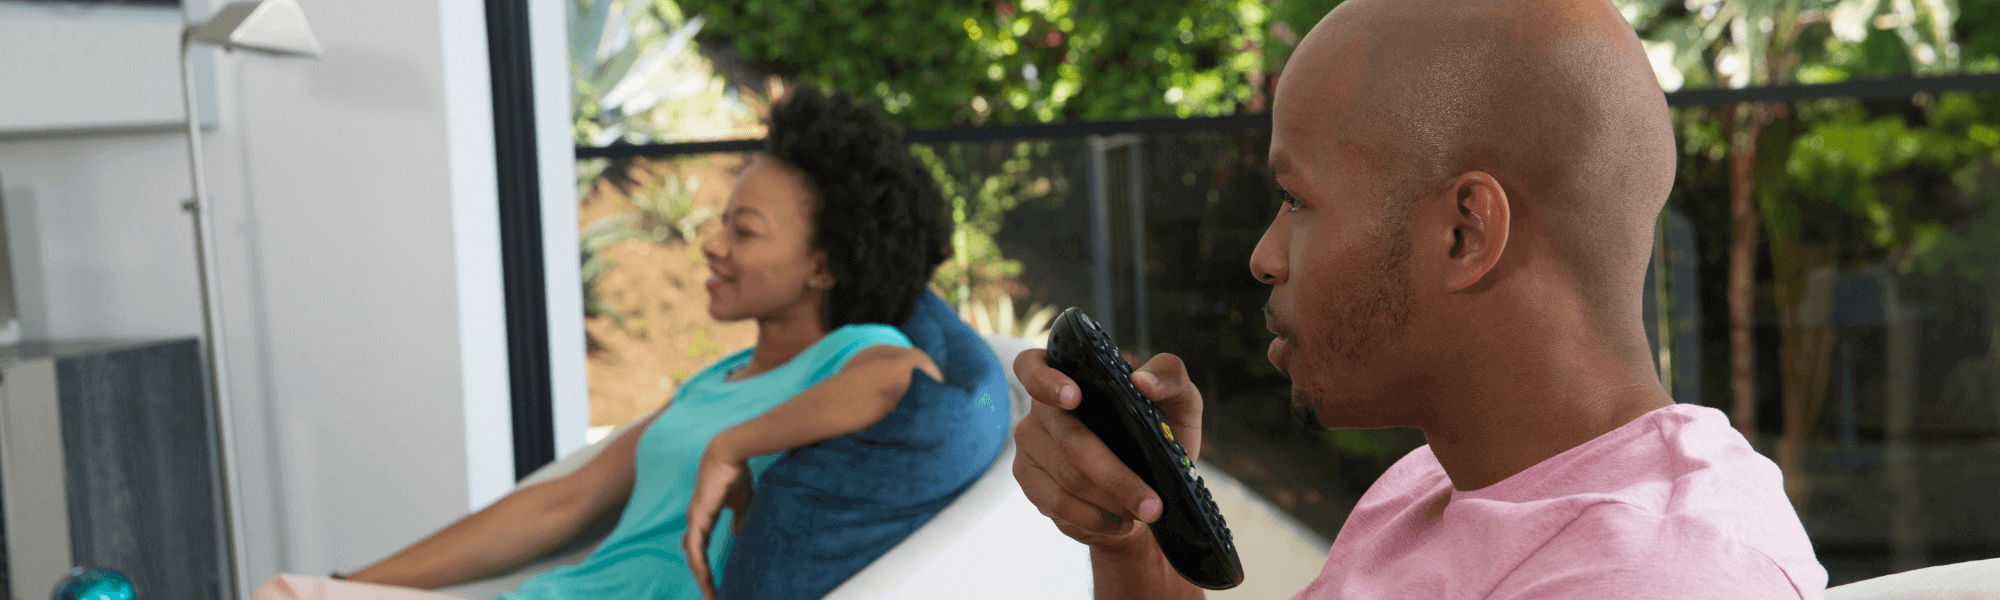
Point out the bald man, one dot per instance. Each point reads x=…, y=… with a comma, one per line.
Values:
x=1469, y=189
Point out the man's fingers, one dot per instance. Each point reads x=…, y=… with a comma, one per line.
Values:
x=1044, y=383
x=1080, y=462
x=1164, y=379
x=1047, y=455
x=1065, y=509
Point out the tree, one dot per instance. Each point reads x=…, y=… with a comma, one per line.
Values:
x=934, y=63
x=969, y=62
x=1707, y=43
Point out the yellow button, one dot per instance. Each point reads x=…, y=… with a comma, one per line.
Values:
x=1167, y=430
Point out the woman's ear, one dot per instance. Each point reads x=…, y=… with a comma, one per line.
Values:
x=1480, y=221
x=822, y=276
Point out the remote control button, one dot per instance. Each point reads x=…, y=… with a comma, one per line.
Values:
x=1169, y=431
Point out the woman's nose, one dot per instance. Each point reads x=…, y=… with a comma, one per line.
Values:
x=711, y=248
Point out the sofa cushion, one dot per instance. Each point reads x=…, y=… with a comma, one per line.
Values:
x=823, y=512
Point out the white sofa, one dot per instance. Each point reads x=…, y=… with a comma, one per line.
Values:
x=1972, y=580
x=990, y=542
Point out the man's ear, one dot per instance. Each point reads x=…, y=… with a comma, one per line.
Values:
x=1480, y=220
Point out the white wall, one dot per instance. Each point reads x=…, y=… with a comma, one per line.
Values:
x=72, y=64
x=357, y=231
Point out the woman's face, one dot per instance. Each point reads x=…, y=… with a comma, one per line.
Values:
x=760, y=261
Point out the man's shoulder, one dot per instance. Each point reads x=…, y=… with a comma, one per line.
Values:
x=1617, y=549
x=1681, y=503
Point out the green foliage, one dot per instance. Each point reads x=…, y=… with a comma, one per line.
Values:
x=1888, y=186
x=983, y=182
x=666, y=212
x=636, y=76
x=1979, y=27
x=962, y=62
x=1836, y=175
x=933, y=63
x=1734, y=43
x=1290, y=20
x=1971, y=251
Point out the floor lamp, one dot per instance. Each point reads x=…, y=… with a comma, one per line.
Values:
x=278, y=28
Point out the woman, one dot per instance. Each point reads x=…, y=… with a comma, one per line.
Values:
x=822, y=263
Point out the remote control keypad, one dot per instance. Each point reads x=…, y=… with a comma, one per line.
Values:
x=1139, y=409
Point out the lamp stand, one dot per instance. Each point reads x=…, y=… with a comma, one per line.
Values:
x=211, y=308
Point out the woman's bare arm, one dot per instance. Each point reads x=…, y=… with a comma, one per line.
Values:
x=518, y=528
x=865, y=390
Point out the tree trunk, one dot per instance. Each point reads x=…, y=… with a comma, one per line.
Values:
x=1805, y=299
x=1899, y=456
x=1747, y=123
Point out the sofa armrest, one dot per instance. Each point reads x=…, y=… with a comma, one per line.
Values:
x=570, y=554
x=1974, y=579
x=975, y=503
x=984, y=541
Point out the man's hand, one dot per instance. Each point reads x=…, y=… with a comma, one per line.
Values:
x=722, y=482
x=1069, y=474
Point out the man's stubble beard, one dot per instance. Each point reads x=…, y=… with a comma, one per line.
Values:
x=1364, y=322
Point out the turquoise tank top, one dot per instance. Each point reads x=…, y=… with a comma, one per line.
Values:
x=642, y=559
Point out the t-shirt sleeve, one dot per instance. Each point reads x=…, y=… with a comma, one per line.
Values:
x=1617, y=551
x=850, y=340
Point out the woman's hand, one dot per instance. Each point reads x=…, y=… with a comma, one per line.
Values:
x=722, y=481
x=865, y=390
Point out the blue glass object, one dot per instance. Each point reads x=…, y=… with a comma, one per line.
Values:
x=93, y=584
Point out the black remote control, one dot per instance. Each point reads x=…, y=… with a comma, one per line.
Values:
x=1190, y=529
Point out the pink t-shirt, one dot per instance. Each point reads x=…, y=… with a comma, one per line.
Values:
x=1671, y=505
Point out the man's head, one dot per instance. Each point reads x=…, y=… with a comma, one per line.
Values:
x=1462, y=178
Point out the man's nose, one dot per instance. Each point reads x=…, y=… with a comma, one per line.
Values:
x=1267, y=262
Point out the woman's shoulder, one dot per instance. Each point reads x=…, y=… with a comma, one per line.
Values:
x=855, y=336
x=833, y=351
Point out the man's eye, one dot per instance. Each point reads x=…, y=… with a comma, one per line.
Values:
x=1291, y=202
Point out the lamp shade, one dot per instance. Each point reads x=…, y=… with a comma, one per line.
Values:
x=268, y=26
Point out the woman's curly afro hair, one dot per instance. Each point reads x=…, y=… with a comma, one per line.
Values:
x=878, y=215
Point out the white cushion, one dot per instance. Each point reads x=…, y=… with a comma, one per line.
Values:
x=1979, y=579
x=992, y=543
x=991, y=508
x=989, y=543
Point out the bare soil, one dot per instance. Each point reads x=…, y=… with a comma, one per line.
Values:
x=667, y=335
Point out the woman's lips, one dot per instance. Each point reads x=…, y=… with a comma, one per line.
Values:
x=714, y=282
x=1280, y=348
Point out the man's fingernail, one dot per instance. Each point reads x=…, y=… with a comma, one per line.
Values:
x=1068, y=395
x=1147, y=379
x=1149, y=510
